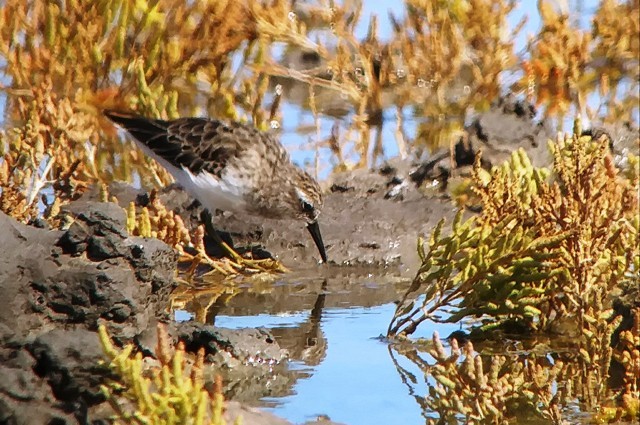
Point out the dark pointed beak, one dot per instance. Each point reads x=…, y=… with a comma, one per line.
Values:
x=314, y=229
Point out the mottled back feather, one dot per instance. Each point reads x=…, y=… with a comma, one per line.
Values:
x=197, y=144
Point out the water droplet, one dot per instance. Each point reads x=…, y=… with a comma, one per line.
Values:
x=279, y=89
x=422, y=83
x=401, y=73
x=466, y=89
x=359, y=72
x=274, y=124
x=292, y=16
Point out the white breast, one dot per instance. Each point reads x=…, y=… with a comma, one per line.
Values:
x=226, y=194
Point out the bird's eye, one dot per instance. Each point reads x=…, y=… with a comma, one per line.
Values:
x=307, y=207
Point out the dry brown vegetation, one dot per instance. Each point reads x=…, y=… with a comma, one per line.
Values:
x=64, y=62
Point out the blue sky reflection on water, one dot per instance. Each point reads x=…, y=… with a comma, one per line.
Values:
x=357, y=382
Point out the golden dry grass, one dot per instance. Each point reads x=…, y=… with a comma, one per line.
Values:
x=64, y=62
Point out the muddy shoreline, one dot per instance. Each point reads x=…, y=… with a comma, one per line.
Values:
x=59, y=285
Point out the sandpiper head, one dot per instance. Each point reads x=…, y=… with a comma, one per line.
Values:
x=293, y=194
x=306, y=197
x=307, y=201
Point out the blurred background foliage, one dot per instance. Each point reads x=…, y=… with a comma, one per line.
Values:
x=62, y=62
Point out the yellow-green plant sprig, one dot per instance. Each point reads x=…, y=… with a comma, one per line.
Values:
x=166, y=394
x=542, y=250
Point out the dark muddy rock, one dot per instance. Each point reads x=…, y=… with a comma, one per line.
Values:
x=231, y=348
x=25, y=397
x=59, y=285
x=70, y=369
x=107, y=275
x=227, y=348
x=245, y=358
x=509, y=125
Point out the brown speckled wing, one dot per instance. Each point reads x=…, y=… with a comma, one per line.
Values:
x=196, y=143
x=201, y=144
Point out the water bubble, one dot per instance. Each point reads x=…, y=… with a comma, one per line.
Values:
x=422, y=83
x=466, y=89
x=279, y=90
x=274, y=124
x=401, y=73
x=292, y=16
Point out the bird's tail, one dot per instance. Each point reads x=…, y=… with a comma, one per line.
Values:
x=143, y=129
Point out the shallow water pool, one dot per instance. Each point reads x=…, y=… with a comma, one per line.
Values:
x=342, y=366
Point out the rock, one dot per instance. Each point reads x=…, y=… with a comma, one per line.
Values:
x=56, y=287
x=25, y=258
x=126, y=281
x=231, y=348
x=69, y=361
x=508, y=126
x=59, y=285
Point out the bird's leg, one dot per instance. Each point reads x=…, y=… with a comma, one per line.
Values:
x=207, y=219
x=266, y=265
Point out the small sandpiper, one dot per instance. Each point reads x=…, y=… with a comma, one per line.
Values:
x=229, y=166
